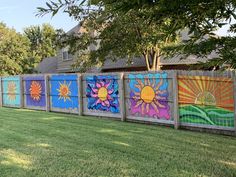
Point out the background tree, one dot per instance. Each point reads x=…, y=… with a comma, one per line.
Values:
x=114, y=34
x=42, y=44
x=14, y=49
x=201, y=17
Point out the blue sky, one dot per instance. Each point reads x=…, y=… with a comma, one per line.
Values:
x=21, y=13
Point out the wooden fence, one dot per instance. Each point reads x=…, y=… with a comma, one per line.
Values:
x=190, y=99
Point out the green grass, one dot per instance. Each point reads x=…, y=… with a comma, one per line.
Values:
x=49, y=144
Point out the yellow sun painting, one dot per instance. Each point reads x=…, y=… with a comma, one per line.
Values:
x=64, y=91
x=11, y=91
x=149, y=95
x=35, y=90
x=203, y=90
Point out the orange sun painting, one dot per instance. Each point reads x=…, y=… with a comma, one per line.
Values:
x=149, y=95
x=11, y=91
x=206, y=91
x=35, y=90
x=64, y=91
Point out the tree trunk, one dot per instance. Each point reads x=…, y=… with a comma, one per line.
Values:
x=155, y=57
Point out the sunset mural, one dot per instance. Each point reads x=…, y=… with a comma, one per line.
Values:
x=206, y=100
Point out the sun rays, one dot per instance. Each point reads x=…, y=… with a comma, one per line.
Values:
x=202, y=90
x=64, y=91
x=35, y=90
x=149, y=95
x=11, y=91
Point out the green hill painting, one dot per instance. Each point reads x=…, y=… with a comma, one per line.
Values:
x=206, y=100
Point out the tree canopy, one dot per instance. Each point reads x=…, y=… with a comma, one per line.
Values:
x=14, y=49
x=42, y=44
x=118, y=21
x=20, y=53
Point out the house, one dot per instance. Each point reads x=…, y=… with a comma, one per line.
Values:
x=65, y=60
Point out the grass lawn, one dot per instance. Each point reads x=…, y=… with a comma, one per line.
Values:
x=44, y=144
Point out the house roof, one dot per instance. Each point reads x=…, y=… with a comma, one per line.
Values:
x=48, y=65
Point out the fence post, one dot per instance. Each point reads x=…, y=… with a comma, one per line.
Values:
x=176, y=99
x=234, y=84
x=122, y=98
x=47, y=92
x=1, y=95
x=80, y=94
x=22, y=91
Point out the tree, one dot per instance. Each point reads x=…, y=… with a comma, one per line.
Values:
x=201, y=17
x=42, y=44
x=114, y=34
x=14, y=49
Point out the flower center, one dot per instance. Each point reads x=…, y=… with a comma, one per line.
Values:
x=102, y=93
x=147, y=94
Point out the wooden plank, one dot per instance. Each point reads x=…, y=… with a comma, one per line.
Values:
x=21, y=92
x=176, y=100
x=234, y=82
x=47, y=92
x=1, y=94
x=122, y=97
x=80, y=94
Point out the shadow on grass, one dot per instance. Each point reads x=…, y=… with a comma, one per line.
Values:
x=34, y=143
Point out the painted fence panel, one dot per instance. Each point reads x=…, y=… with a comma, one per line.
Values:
x=34, y=92
x=101, y=95
x=206, y=101
x=64, y=93
x=148, y=97
x=11, y=91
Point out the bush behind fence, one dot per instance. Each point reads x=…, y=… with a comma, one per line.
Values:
x=180, y=98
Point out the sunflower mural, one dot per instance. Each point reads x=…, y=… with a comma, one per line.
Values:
x=149, y=95
x=206, y=100
x=64, y=91
x=35, y=91
x=102, y=93
x=11, y=91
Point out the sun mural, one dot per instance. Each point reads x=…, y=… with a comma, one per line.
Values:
x=149, y=95
x=206, y=100
x=102, y=93
x=11, y=91
x=64, y=91
x=35, y=90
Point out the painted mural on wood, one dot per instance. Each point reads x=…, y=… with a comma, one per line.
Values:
x=206, y=100
x=64, y=91
x=11, y=91
x=35, y=91
x=149, y=95
x=102, y=93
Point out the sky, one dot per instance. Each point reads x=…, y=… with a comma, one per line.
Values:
x=20, y=14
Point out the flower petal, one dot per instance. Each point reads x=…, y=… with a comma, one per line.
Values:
x=110, y=91
x=98, y=85
x=95, y=90
x=107, y=103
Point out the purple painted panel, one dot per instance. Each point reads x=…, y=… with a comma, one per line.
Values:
x=35, y=91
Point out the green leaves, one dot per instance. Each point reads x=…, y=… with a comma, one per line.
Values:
x=14, y=49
